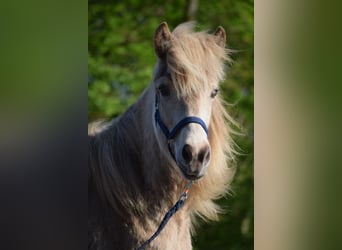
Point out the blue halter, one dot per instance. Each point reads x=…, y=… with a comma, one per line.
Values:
x=182, y=123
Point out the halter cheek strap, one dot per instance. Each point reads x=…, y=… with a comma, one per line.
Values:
x=182, y=123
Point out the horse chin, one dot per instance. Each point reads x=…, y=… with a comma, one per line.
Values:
x=187, y=176
x=192, y=177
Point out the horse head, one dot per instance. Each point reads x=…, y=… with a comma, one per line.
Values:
x=185, y=85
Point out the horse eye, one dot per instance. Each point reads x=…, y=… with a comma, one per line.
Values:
x=214, y=93
x=164, y=90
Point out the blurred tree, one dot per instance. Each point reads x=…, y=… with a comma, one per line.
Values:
x=120, y=65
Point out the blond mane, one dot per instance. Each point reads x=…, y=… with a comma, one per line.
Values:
x=195, y=57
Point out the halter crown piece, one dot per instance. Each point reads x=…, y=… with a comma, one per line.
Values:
x=171, y=135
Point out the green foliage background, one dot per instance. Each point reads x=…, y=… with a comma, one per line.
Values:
x=120, y=65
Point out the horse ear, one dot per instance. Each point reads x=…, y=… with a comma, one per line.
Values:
x=220, y=36
x=161, y=38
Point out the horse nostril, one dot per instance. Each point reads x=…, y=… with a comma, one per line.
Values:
x=187, y=153
x=204, y=155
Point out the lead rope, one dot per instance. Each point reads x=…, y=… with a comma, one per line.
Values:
x=168, y=215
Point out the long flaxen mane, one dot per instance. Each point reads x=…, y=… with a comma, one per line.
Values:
x=126, y=166
x=195, y=57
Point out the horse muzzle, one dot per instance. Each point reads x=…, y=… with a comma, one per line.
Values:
x=194, y=162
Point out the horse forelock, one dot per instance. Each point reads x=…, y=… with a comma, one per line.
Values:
x=194, y=60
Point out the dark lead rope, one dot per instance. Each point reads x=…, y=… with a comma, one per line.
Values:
x=168, y=215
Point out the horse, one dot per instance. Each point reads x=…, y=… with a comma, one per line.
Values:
x=177, y=131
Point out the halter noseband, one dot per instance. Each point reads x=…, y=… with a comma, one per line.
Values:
x=182, y=123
